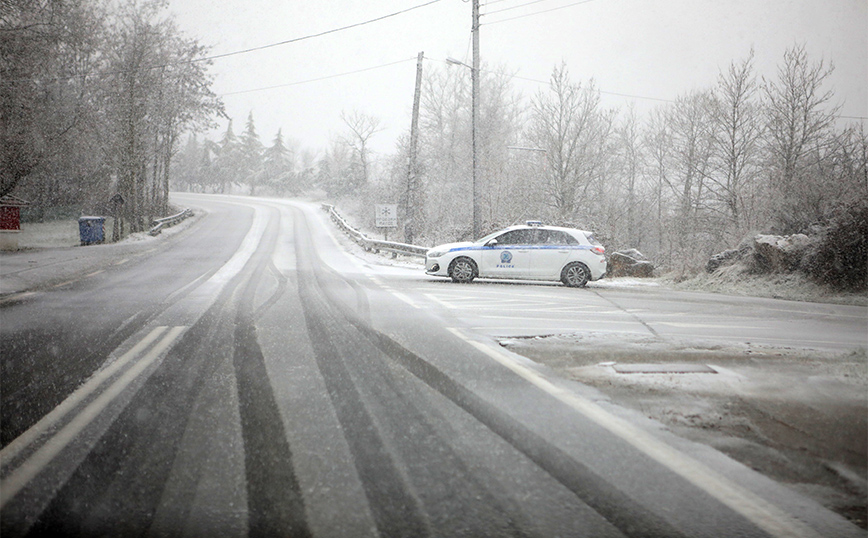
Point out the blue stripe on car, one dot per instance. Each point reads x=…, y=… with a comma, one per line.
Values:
x=526, y=247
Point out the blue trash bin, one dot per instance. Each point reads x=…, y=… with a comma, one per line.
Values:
x=91, y=230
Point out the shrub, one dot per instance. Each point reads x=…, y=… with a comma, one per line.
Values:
x=840, y=258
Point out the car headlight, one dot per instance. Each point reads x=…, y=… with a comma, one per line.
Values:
x=435, y=253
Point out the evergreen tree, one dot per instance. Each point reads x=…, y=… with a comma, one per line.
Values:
x=227, y=168
x=277, y=167
x=250, y=155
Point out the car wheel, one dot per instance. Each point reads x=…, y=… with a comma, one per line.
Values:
x=463, y=270
x=575, y=275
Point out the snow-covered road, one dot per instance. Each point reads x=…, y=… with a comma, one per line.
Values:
x=248, y=376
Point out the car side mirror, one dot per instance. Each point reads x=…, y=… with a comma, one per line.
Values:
x=491, y=243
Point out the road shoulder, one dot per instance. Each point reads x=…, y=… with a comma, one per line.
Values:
x=799, y=417
x=36, y=269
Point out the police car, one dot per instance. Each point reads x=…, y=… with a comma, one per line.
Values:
x=529, y=252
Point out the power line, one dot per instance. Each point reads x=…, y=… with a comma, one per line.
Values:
x=227, y=54
x=318, y=79
x=538, y=12
x=514, y=7
x=630, y=96
x=320, y=34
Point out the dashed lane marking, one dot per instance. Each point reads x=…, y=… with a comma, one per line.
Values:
x=74, y=280
x=440, y=301
x=397, y=294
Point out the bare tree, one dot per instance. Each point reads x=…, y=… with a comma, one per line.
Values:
x=739, y=128
x=333, y=169
x=499, y=121
x=631, y=153
x=658, y=142
x=799, y=117
x=444, y=152
x=361, y=128
x=568, y=123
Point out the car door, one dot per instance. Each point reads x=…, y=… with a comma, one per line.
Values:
x=507, y=255
x=551, y=253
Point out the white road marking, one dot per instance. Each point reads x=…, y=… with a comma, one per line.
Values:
x=17, y=297
x=561, y=319
x=56, y=415
x=397, y=294
x=248, y=246
x=180, y=291
x=31, y=467
x=403, y=297
x=231, y=268
x=439, y=301
x=705, y=325
x=756, y=509
x=527, y=330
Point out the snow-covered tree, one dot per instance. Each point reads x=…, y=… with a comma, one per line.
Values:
x=250, y=149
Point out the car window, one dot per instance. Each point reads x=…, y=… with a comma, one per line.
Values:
x=592, y=240
x=517, y=237
x=556, y=237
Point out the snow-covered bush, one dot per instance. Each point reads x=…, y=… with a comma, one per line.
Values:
x=840, y=257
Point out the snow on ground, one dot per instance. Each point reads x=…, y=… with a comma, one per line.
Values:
x=54, y=234
x=626, y=282
x=798, y=416
x=49, y=253
x=736, y=280
x=65, y=233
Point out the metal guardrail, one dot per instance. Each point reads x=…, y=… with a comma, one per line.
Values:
x=374, y=245
x=165, y=222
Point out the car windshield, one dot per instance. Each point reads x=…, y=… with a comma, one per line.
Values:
x=489, y=237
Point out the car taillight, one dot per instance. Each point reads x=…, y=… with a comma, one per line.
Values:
x=600, y=250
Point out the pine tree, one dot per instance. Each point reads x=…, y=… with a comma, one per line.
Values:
x=251, y=155
x=277, y=167
x=227, y=167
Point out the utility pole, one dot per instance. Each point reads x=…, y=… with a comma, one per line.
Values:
x=413, y=198
x=474, y=78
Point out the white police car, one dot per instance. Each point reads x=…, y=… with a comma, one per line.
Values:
x=530, y=252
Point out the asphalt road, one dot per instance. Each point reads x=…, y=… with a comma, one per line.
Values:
x=247, y=377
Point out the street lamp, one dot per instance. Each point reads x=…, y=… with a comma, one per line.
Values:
x=474, y=78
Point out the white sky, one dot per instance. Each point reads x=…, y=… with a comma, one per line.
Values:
x=646, y=48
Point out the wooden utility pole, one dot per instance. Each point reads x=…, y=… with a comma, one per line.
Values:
x=414, y=200
x=474, y=77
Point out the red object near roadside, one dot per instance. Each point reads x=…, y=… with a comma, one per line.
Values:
x=10, y=212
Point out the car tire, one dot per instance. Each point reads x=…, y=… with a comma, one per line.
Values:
x=463, y=270
x=575, y=275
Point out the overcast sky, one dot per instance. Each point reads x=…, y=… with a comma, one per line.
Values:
x=635, y=50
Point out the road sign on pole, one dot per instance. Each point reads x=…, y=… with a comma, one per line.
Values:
x=387, y=215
